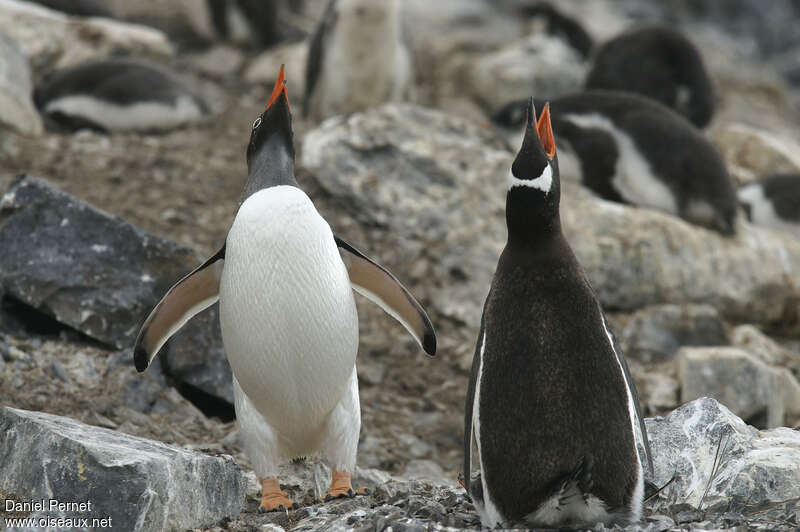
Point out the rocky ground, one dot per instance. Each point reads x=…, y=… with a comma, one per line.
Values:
x=420, y=188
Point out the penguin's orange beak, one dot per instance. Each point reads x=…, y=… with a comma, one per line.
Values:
x=280, y=87
x=545, y=131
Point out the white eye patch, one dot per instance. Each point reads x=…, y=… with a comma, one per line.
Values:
x=544, y=182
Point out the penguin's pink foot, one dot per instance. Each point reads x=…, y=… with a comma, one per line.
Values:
x=272, y=498
x=342, y=487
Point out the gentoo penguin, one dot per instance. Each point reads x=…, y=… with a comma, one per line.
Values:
x=560, y=25
x=658, y=62
x=117, y=95
x=550, y=404
x=773, y=201
x=285, y=285
x=357, y=60
x=259, y=23
x=631, y=149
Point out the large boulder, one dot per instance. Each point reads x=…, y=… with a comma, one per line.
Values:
x=656, y=333
x=101, y=275
x=717, y=459
x=16, y=88
x=437, y=184
x=138, y=484
x=539, y=64
x=89, y=270
x=71, y=40
x=759, y=392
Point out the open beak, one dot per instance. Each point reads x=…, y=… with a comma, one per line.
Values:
x=545, y=130
x=280, y=88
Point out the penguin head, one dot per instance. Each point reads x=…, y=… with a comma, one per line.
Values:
x=534, y=187
x=270, y=152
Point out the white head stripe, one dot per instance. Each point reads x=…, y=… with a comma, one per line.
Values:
x=543, y=182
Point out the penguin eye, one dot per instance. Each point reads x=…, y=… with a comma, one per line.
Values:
x=257, y=123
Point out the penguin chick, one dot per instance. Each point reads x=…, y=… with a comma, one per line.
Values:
x=285, y=285
x=560, y=25
x=357, y=60
x=550, y=403
x=658, y=62
x=117, y=95
x=773, y=201
x=635, y=150
x=631, y=149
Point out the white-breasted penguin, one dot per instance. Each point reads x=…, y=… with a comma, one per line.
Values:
x=358, y=59
x=773, y=201
x=117, y=95
x=658, y=62
x=632, y=149
x=285, y=285
x=551, y=404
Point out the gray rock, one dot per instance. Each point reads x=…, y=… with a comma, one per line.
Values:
x=759, y=393
x=139, y=391
x=16, y=89
x=538, y=65
x=91, y=271
x=753, y=467
x=196, y=355
x=72, y=40
x=140, y=484
x=438, y=184
x=656, y=333
x=751, y=153
x=102, y=275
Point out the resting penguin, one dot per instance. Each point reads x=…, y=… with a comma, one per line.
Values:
x=117, y=95
x=658, y=62
x=357, y=60
x=285, y=285
x=773, y=201
x=550, y=404
x=631, y=149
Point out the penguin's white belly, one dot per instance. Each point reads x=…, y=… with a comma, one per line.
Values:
x=287, y=312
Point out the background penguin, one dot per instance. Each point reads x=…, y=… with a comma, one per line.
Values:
x=658, y=62
x=259, y=23
x=631, y=149
x=117, y=95
x=560, y=25
x=550, y=403
x=357, y=59
x=288, y=316
x=773, y=201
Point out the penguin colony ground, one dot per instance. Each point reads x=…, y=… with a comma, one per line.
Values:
x=660, y=63
x=551, y=405
x=294, y=375
x=773, y=201
x=117, y=95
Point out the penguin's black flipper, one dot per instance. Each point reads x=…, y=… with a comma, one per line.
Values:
x=316, y=53
x=375, y=282
x=192, y=294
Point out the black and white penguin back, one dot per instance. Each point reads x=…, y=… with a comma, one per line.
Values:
x=658, y=62
x=117, y=95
